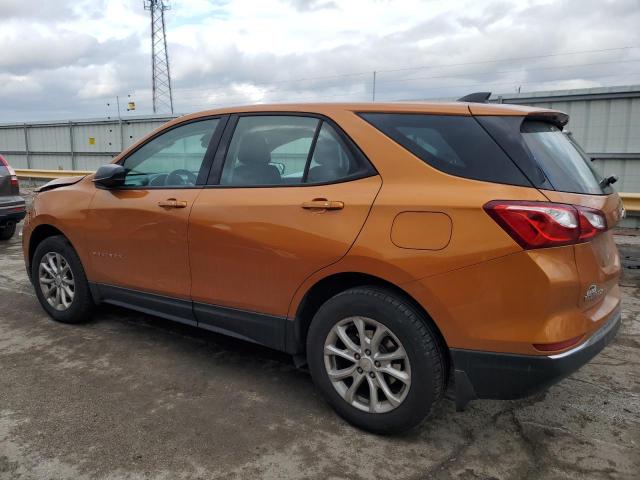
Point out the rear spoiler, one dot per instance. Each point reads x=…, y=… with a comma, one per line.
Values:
x=559, y=119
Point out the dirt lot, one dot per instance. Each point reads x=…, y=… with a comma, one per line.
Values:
x=132, y=396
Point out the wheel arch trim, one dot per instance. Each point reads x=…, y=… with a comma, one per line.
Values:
x=321, y=289
x=34, y=238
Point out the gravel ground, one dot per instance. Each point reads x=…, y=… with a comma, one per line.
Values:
x=129, y=396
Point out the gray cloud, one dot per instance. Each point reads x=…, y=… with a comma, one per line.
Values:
x=12, y=9
x=312, y=5
x=67, y=74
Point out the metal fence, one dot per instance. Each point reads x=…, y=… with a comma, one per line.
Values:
x=72, y=145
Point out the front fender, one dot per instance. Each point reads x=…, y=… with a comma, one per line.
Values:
x=66, y=210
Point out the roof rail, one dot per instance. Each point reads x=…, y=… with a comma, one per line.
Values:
x=476, y=97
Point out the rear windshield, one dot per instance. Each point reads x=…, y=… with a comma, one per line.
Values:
x=454, y=144
x=565, y=165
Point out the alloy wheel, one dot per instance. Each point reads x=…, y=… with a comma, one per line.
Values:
x=56, y=281
x=367, y=364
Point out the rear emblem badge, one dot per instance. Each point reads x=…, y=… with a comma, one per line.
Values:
x=593, y=292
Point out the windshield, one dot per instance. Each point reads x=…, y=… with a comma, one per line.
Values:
x=566, y=166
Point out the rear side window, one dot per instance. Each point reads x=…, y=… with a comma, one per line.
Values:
x=331, y=158
x=566, y=167
x=453, y=144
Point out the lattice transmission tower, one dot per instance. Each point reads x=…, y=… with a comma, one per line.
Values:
x=160, y=72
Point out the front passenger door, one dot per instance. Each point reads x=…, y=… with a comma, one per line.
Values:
x=137, y=234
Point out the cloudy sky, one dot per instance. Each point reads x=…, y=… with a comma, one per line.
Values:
x=70, y=58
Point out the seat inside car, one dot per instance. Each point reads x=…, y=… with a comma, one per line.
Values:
x=254, y=157
x=329, y=166
x=158, y=180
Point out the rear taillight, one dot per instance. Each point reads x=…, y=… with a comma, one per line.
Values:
x=546, y=224
x=592, y=222
x=14, y=177
x=12, y=172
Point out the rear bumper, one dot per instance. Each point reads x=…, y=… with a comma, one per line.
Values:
x=508, y=376
x=13, y=210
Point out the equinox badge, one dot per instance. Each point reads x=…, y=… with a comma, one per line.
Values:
x=593, y=292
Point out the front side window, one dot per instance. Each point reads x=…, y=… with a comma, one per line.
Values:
x=173, y=159
x=270, y=150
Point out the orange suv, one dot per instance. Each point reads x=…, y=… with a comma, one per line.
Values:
x=396, y=248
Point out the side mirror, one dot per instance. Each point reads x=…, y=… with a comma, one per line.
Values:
x=111, y=175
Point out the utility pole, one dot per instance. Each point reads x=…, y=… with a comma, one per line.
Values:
x=160, y=73
x=130, y=106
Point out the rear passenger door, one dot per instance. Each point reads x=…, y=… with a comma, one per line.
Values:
x=287, y=196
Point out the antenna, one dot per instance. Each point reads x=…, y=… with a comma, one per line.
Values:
x=160, y=73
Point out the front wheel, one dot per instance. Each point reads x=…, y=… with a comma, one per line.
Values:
x=376, y=359
x=60, y=282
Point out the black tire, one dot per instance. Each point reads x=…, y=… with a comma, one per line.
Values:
x=7, y=231
x=425, y=353
x=80, y=308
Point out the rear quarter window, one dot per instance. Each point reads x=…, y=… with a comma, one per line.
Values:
x=453, y=144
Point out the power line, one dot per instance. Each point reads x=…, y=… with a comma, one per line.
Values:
x=422, y=67
x=522, y=83
x=197, y=92
x=514, y=59
x=399, y=80
x=402, y=80
x=364, y=92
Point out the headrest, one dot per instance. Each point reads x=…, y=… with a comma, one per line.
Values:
x=327, y=153
x=205, y=139
x=254, y=149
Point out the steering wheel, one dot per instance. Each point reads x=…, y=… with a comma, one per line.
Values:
x=176, y=177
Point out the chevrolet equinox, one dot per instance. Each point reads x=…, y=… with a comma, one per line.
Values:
x=394, y=248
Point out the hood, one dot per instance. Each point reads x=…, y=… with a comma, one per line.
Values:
x=59, y=182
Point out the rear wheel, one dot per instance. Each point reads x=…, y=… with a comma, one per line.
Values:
x=7, y=231
x=60, y=282
x=376, y=359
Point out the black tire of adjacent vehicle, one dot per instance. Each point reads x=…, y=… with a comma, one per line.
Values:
x=425, y=352
x=7, y=231
x=82, y=304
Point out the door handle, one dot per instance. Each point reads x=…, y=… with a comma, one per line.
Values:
x=172, y=203
x=323, y=204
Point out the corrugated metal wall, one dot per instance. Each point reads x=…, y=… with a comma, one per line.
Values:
x=75, y=145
